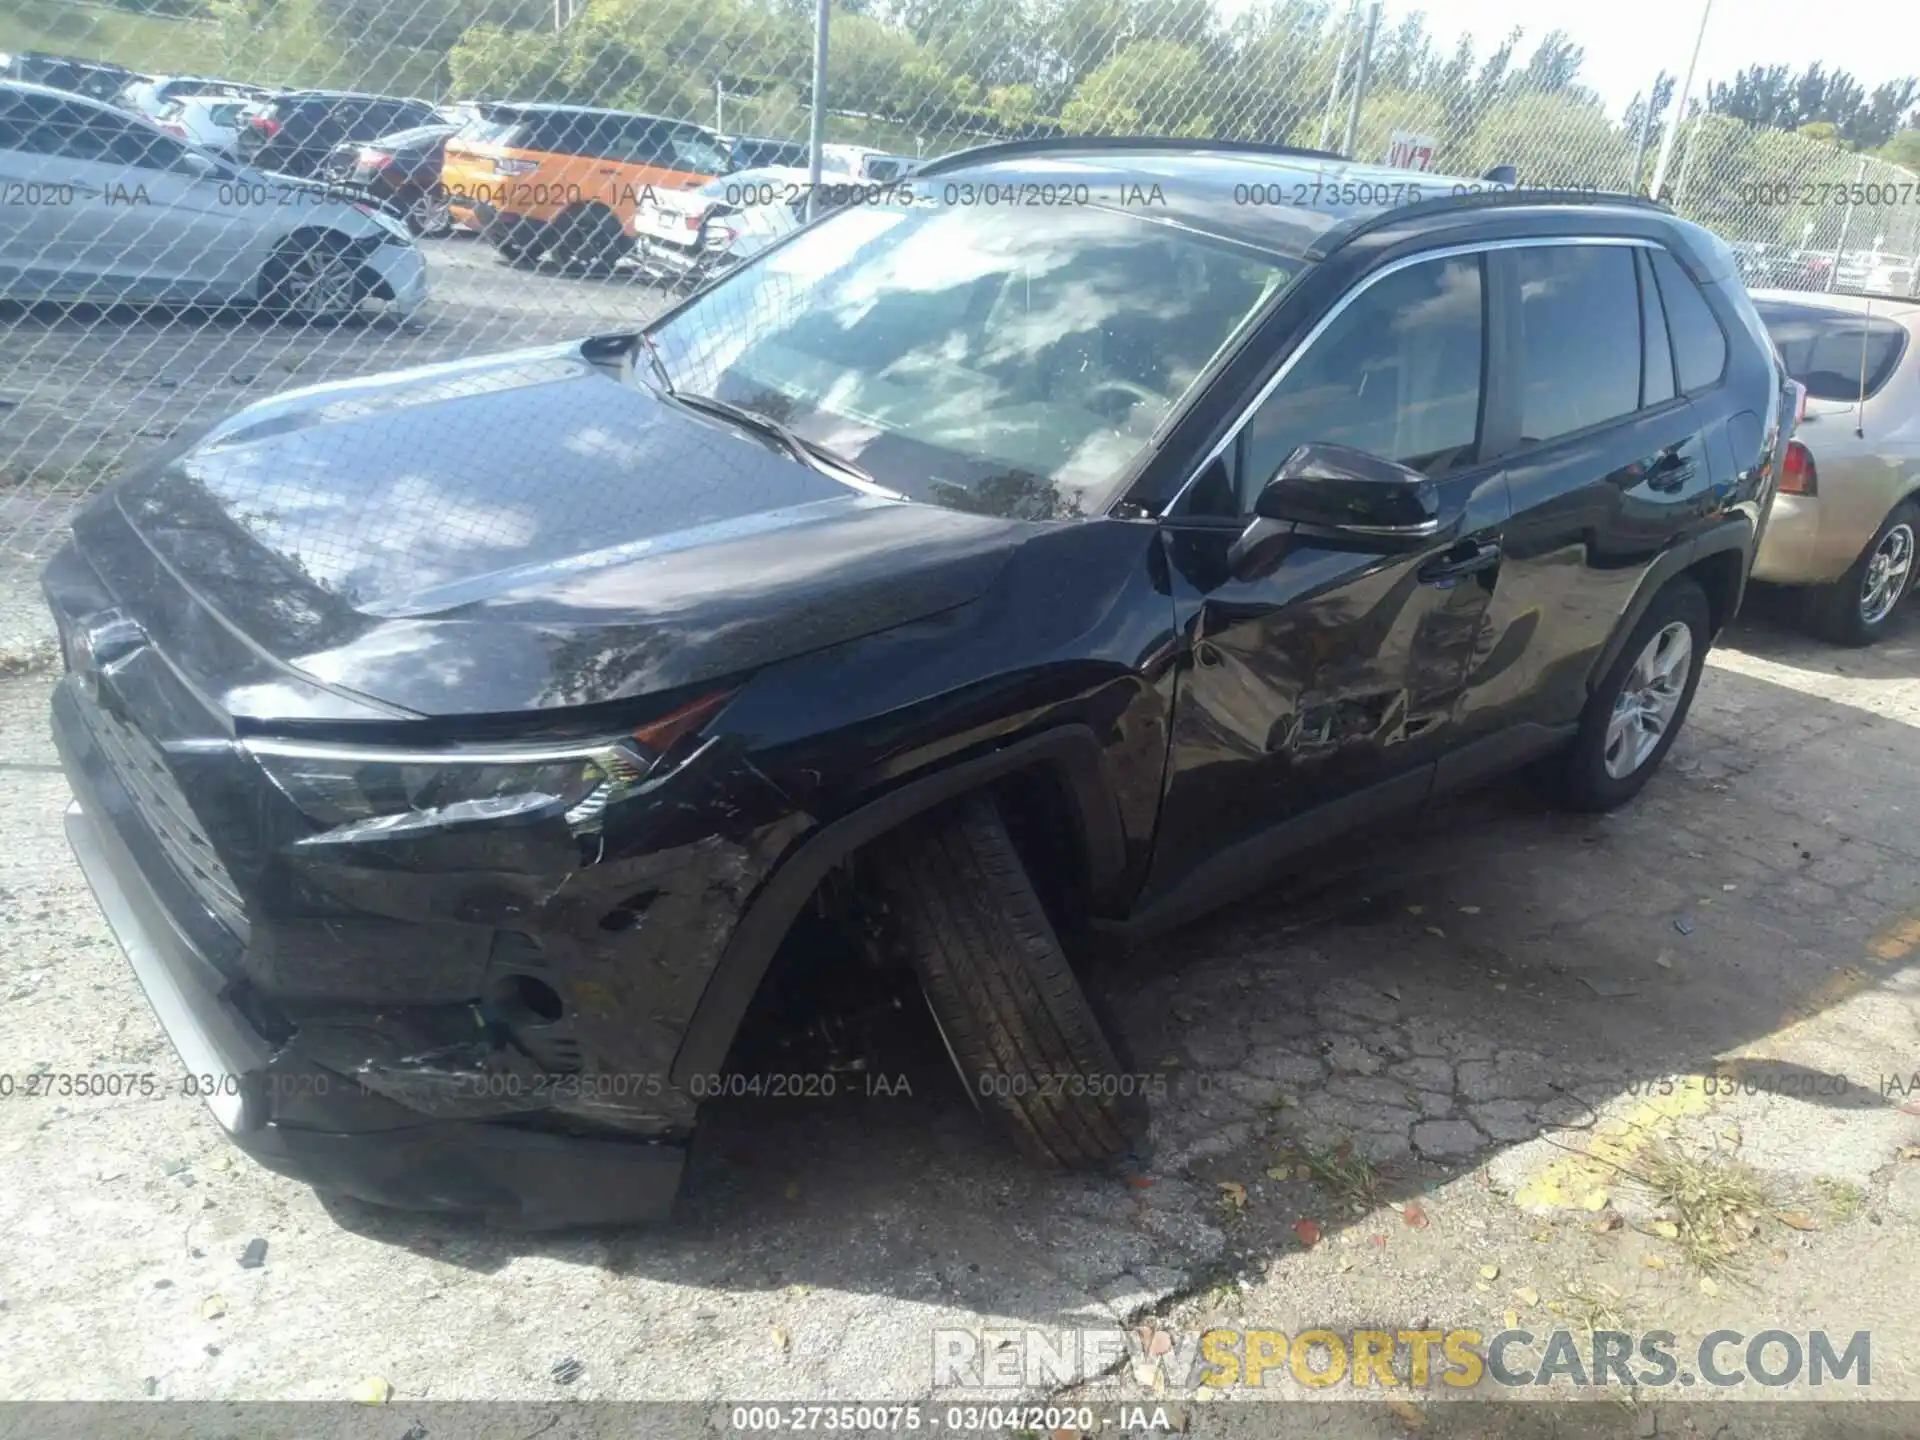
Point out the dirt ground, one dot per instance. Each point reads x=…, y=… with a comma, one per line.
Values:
x=1497, y=1069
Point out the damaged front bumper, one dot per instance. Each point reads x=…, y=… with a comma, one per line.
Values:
x=327, y=1129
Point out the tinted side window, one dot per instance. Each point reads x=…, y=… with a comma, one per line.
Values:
x=1656, y=371
x=1398, y=375
x=133, y=144
x=1699, y=346
x=1830, y=352
x=26, y=123
x=1579, y=361
x=74, y=132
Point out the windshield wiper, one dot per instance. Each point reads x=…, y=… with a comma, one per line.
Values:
x=810, y=453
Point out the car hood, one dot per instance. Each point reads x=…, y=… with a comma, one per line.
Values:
x=523, y=531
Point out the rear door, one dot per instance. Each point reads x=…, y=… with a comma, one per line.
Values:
x=1609, y=464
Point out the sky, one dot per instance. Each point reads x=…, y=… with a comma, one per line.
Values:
x=1628, y=41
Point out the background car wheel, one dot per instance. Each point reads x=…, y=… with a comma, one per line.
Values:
x=592, y=235
x=429, y=215
x=313, y=280
x=1858, y=608
x=1632, y=717
x=1019, y=1028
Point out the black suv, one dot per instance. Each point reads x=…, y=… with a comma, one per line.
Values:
x=293, y=132
x=1054, y=547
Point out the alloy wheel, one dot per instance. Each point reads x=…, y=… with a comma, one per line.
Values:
x=1887, y=571
x=1648, y=699
x=320, y=285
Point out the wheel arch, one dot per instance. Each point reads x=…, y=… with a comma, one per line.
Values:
x=1068, y=759
x=1718, y=561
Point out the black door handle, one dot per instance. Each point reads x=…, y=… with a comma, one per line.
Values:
x=1469, y=557
x=1669, y=472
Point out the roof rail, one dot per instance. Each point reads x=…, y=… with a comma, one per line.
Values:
x=1359, y=225
x=1059, y=144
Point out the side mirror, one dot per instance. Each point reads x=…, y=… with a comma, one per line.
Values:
x=1343, y=493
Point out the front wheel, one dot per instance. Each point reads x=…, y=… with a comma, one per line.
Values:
x=1858, y=608
x=957, y=901
x=1635, y=713
x=313, y=281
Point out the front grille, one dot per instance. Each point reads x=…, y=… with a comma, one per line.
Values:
x=142, y=769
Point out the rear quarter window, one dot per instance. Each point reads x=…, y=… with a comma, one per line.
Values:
x=1699, y=344
x=1831, y=352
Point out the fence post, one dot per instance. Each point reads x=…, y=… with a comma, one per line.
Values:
x=1846, y=221
x=1360, y=80
x=1640, y=135
x=817, y=122
x=1339, y=72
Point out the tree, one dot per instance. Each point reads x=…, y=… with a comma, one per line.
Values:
x=1903, y=149
x=1153, y=87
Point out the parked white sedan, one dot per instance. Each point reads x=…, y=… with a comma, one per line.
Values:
x=99, y=205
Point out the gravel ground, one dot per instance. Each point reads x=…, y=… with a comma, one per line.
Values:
x=1429, y=1085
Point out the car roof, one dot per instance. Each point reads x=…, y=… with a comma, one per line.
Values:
x=1291, y=201
x=54, y=92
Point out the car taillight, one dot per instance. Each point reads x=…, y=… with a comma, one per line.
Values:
x=719, y=237
x=174, y=127
x=514, y=167
x=1799, y=475
x=375, y=159
x=265, y=124
x=690, y=222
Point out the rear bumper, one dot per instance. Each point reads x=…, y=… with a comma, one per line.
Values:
x=355, y=1141
x=1803, y=545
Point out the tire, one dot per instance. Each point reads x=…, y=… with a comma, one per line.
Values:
x=1016, y=1023
x=428, y=215
x=312, y=280
x=592, y=235
x=1601, y=771
x=1851, y=611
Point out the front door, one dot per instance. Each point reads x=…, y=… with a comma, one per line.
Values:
x=1323, y=675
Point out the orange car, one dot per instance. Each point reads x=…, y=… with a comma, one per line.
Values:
x=566, y=179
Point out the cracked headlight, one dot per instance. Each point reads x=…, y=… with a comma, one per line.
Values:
x=368, y=794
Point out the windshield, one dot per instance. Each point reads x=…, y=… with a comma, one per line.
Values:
x=1012, y=364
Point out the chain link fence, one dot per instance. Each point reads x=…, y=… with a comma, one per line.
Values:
x=86, y=387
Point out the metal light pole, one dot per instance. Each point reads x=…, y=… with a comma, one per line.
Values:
x=719, y=105
x=817, y=123
x=1680, y=110
x=1360, y=80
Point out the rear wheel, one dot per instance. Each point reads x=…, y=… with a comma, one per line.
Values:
x=1858, y=608
x=592, y=235
x=429, y=215
x=958, y=902
x=1635, y=713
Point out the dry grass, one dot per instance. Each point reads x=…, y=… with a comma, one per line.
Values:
x=1715, y=1204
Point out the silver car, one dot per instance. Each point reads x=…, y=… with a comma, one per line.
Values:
x=1845, y=521
x=99, y=205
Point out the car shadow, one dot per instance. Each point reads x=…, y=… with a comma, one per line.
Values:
x=1483, y=975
